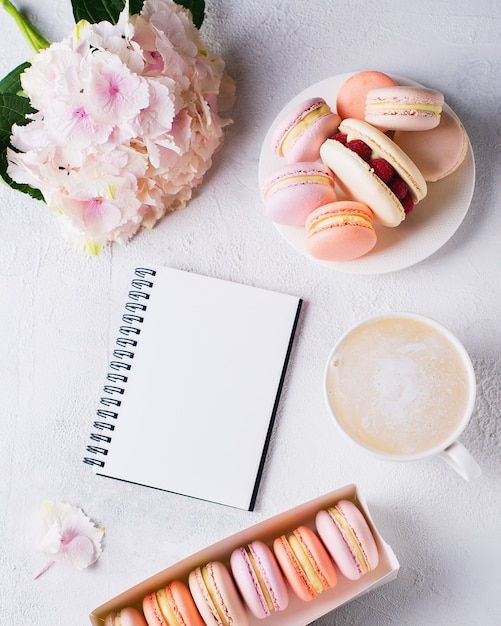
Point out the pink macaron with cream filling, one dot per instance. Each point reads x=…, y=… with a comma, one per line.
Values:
x=259, y=579
x=346, y=534
x=404, y=108
x=300, y=133
x=293, y=191
x=216, y=596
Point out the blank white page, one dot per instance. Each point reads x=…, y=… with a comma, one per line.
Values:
x=197, y=409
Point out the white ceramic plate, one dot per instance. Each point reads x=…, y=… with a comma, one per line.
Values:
x=430, y=224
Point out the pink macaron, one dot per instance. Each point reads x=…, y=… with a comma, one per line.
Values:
x=128, y=616
x=293, y=191
x=351, y=96
x=340, y=231
x=216, y=595
x=305, y=563
x=259, y=579
x=437, y=152
x=404, y=108
x=299, y=134
x=346, y=534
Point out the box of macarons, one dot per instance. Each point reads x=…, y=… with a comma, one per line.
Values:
x=287, y=570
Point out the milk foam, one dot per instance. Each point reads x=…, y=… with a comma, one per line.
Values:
x=398, y=386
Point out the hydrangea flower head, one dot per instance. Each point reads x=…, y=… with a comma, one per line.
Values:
x=126, y=122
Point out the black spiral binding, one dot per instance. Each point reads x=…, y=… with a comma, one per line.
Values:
x=120, y=366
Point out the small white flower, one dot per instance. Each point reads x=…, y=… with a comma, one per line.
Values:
x=67, y=536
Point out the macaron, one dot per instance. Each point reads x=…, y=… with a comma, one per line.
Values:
x=346, y=535
x=300, y=133
x=437, y=152
x=404, y=108
x=305, y=563
x=351, y=96
x=128, y=616
x=373, y=170
x=170, y=606
x=293, y=191
x=259, y=579
x=340, y=231
x=216, y=596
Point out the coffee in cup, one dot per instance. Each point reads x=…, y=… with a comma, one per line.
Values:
x=403, y=387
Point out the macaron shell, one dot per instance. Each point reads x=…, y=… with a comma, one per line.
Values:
x=128, y=616
x=307, y=144
x=293, y=191
x=317, y=555
x=437, y=152
x=340, y=231
x=340, y=541
x=404, y=108
x=357, y=180
x=350, y=101
x=382, y=145
x=256, y=566
x=226, y=609
x=182, y=604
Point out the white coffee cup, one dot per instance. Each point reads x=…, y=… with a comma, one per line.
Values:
x=402, y=387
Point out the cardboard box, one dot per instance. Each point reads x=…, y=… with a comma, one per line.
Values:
x=298, y=613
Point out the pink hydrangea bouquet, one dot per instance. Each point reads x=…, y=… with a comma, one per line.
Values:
x=115, y=125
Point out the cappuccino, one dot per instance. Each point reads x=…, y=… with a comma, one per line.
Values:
x=400, y=386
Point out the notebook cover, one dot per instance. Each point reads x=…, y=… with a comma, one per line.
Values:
x=194, y=384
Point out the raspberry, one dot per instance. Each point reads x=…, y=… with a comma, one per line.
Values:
x=339, y=137
x=361, y=148
x=407, y=203
x=399, y=187
x=383, y=169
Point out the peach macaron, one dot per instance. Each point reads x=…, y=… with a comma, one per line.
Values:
x=300, y=133
x=305, y=563
x=340, y=231
x=351, y=96
x=171, y=605
x=293, y=191
x=128, y=616
x=437, y=152
x=346, y=534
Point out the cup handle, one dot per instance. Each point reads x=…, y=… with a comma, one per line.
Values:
x=458, y=457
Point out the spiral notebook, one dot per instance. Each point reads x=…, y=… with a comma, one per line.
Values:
x=193, y=385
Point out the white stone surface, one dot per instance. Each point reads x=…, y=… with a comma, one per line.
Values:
x=57, y=306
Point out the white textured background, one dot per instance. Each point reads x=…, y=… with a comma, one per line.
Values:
x=56, y=307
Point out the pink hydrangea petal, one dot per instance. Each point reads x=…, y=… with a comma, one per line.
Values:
x=101, y=215
x=78, y=553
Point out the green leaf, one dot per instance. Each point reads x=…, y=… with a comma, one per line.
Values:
x=108, y=10
x=197, y=8
x=12, y=82
x=13, y=110
x=95, y=11
x=135, y=6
